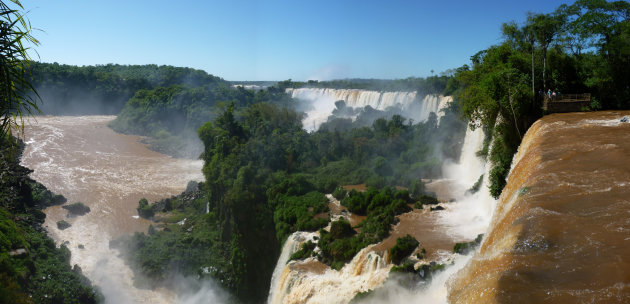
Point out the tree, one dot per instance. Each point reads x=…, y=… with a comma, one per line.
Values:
x=15, y=85
x=545, y=27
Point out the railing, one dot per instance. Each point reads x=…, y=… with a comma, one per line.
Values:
x=568, y=97
x=566, y=102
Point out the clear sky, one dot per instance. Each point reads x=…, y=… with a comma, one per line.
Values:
x=276, y=40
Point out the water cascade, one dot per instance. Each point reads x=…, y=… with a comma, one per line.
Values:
x=323, y=103
x=309, y=281
x=560, y=229
x=312, y=282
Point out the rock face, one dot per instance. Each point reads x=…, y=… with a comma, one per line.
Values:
x=560, y=231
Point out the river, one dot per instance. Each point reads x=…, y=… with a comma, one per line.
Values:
x=84, y=160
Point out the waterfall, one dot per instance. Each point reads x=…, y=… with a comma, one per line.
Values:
x=291, y=245
x=559, y=232
x=463, y=219
x=322, y=101
x=295, y=283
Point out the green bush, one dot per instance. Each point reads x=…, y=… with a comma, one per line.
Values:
x=465, y=248
x=339, y=193
x=306, y=250
x=144, y=209
x=426, y=199
x=403, y=248
x=341, y=229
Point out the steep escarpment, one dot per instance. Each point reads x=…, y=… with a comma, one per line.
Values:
x=560, y=230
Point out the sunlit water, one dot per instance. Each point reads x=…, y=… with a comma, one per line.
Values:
x=561, y=228
x=82, y=159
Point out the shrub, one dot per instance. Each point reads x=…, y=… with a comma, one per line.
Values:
x=144, y=209
x=426, y=199
x=341, y=229
x=339, y=193
x=403, y=248
x=306, y=250
x=465, y=248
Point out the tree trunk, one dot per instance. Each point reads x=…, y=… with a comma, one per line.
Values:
x=533, y=89
x=545, y=68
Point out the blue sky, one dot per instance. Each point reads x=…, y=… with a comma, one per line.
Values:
x=276, y=40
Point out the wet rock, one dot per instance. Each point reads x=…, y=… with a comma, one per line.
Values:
x=437, y=208
x=76, y=209
x=81, y=246
x=61, y=225
x=465, y=248
x=625, y=119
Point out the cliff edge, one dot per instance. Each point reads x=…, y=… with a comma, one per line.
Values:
x=561, y=230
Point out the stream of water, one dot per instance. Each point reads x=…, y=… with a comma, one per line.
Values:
x=84, y=160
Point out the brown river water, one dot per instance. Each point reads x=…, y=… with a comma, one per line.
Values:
x=84, y=160
x=561, y=229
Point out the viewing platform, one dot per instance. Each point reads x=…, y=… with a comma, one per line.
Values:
x=566, y=103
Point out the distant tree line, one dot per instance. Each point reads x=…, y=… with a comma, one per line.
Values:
x=438, y=85
x=104, y=89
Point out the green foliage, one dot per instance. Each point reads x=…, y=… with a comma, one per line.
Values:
x=406, y=267
x=16, y=89
x=144, y=209
x=295, y=213
x=465, y=248
x=403, y=248
x=342, y=243
x=426, y=199
x=430, y=85
x=32, y=269
x=170, y=115
x=578, y=48
x=265, y=179
x=475, y=187
x=104, y=89
x=339, y=193
x=306, y=250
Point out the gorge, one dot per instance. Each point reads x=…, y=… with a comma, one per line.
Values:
x=84, y=160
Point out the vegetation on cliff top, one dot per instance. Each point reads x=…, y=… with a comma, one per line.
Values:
x=578, y=48
x=265, y=179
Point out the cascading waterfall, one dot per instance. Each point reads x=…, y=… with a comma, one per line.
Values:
x=470, y=214
x=295, y=283
x=463, y=219
x=291, y=245
x=560, y=229
x=323, y=103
